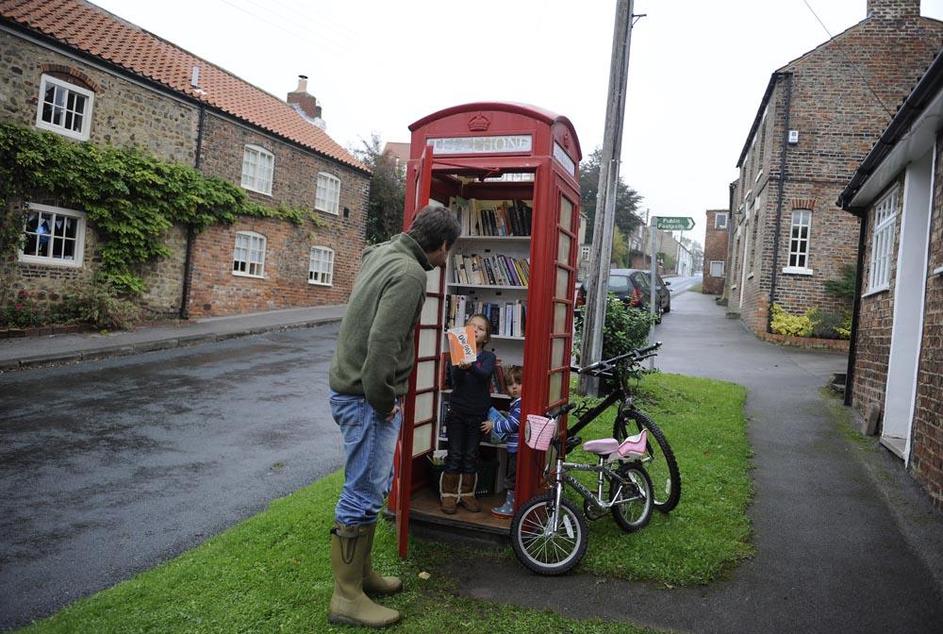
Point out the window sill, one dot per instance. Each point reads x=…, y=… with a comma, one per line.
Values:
x=734, y=287
x=78, y=136
x=255, y=277
x=758, y=176
x=320, y=284
x=257, y=191
x=328, y=211
x=797, y=270
x=53, y=262
x=938, y=270
x=876, y=291
x=750, y=276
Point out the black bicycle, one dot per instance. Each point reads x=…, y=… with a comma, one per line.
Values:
x=660, y=463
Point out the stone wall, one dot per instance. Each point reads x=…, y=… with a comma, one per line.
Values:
x=124, y=114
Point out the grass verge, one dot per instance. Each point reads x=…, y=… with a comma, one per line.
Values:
x=271, y=572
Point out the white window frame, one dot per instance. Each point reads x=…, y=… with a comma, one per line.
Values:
x=252, y=242
x=722, y=264
x=254, y=176
x=317, y=274
x=717, y=224
x=51, y=260
x=327, y=196
x=882, y=242
x=799, y=247
x=59, y=84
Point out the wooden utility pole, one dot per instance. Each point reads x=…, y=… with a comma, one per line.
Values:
x=598, y=282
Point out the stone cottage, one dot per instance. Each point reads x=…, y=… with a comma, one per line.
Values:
x=71, y=68
x=818, y=118
x=895, y=365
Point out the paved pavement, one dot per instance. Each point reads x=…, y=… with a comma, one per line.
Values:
x=845, y=541
x=70, y=348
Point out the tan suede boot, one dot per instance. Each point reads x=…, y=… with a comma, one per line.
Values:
x=374, y=583
x=349, y=605
x=466, y=495
x=448, y=491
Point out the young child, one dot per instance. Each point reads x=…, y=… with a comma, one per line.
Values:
x=506, y=428
x=468, y=406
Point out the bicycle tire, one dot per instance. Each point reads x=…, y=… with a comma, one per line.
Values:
x=663, y=467
x=548, y=555
x=632, y=515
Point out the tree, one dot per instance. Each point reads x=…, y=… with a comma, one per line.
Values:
x=387, y=192
x=627, y=199
x=620, y=250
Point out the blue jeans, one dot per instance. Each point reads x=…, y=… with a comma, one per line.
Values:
x=369, y=442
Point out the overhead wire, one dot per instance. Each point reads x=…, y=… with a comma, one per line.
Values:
x=849, y=62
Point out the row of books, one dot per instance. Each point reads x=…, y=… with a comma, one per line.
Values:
x=494, y=270
x=507, y=319
x=492, y=217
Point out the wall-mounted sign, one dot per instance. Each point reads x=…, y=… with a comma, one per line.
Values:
x=563, y=158
x=482, y=144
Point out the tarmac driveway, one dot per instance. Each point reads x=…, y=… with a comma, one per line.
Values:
x=110, y=467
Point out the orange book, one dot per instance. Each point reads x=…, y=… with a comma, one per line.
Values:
x=462, y=347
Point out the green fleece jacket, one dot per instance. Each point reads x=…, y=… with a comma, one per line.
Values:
x=374, y=354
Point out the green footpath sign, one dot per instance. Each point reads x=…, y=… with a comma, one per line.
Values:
x=672, y=223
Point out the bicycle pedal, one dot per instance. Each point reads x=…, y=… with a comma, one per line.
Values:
x=572, y=442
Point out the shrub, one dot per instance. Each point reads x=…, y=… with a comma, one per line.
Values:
x=785, y=324
x=99, y=305
x=625, y=328
x=22, y=312
x=825, y=324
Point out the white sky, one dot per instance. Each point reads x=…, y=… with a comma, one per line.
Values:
x=697, y=70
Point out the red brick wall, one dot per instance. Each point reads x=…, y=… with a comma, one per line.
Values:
x=838, y=119
x=927, y=441
x=214, y=288
x=715, y=248
x=875, y=322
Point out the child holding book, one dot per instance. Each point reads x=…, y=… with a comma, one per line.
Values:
x=505, y=428
x=468, y=406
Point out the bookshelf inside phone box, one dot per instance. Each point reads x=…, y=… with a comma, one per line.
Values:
x=510, y=174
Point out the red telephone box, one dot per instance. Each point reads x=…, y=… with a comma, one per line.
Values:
x=511, y=174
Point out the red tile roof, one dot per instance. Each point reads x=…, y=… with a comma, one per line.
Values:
x=90, y=29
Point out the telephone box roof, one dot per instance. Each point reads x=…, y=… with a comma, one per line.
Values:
x=526, y=110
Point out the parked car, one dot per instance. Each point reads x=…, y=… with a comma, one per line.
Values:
x=631, y=286
x=661, y=291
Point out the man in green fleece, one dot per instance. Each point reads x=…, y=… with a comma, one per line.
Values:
x=369, y=373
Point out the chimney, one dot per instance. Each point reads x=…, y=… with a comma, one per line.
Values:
x=305, y=104
x=893, y=9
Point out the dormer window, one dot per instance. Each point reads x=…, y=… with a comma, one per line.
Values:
x=64, y=108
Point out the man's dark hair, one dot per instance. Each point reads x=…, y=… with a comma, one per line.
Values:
x=433, y=225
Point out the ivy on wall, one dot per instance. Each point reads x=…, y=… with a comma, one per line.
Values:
x=130, y=196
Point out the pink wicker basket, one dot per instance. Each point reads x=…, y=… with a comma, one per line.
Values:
x=539, y=432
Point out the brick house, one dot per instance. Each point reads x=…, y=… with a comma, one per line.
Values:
x=895, y=365
x=818, y=118
x=715, y=251
x=123, y=86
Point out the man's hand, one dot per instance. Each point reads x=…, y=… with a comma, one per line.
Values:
x=487, y=426
x=393, y=414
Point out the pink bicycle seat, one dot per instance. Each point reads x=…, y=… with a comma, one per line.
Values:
x=631, y=448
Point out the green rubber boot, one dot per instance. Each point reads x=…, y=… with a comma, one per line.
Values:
x=374, y=583
x=349, y=605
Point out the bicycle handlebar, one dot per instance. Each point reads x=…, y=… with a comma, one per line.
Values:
x=637, y=355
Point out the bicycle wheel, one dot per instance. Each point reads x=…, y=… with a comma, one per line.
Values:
x=661, y=465
x=631, y=496
x=538, y=546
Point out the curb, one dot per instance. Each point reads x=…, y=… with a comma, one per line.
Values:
x=123, y=350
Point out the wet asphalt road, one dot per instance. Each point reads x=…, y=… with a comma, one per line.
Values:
x=108, y=468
